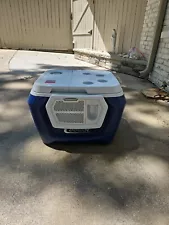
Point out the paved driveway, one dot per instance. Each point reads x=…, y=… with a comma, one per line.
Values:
x=126, y=183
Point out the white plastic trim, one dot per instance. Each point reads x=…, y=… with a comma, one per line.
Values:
x=117, y=94
x=87, y=123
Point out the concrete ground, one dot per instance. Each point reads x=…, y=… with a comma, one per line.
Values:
x=125, y=183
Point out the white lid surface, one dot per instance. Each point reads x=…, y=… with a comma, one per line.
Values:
x=95, y=82
x=53, y=80
x=78, y=81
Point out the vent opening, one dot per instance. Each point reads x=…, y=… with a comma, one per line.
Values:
x=55, y=72
x=88, y=82
x=102, y=81
x=99, y=75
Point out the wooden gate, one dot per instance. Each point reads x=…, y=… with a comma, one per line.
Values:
x=36, y=24
x=83, y=20
x=95, y=20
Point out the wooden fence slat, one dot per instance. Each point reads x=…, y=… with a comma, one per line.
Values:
x=36, y=24
x=126, y=16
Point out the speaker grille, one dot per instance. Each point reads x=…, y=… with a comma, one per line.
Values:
x=71, y=112
x=70, y=118
x=61, y=106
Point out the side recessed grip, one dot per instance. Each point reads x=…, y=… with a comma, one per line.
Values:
x=92, y=112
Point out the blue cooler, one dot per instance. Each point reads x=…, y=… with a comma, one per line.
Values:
x=77, y=106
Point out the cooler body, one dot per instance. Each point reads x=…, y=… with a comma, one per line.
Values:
x=103, y=134
x=76, y=106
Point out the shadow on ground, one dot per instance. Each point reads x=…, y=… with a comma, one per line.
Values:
x=128, y=176
x=125, y=133
x=15, y=75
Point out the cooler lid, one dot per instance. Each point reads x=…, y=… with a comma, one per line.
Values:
x=95, y=82
x=78, y=81
x=53, y=81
